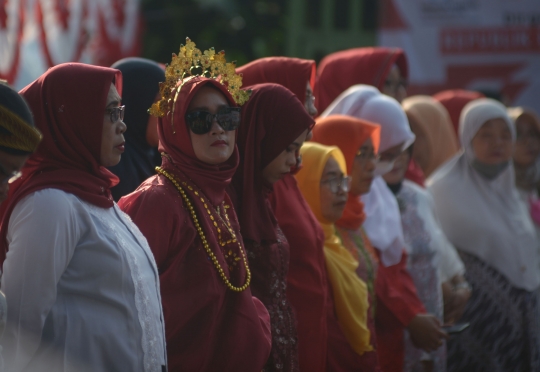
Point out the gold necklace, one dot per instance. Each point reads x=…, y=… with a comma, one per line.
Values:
x=203, y=237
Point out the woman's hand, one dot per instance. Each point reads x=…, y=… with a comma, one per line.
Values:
x=456, y=293
x=426, y=332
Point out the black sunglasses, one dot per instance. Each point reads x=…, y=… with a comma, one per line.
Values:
x=200, y=122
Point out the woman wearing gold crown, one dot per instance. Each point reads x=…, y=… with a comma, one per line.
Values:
x=212, y=322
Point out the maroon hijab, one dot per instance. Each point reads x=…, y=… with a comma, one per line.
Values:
x=341, y=70
x=174, y=139
x=454, y=100
x=292, y=73
x=68, y=102
x=271, y=120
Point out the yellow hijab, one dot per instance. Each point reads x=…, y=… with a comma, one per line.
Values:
x=350, y=292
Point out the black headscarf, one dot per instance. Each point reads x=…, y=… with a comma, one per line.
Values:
x=18, y=109
x=141, y=78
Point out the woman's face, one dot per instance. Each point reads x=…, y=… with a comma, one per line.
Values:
x=492, y=144
x=421, y=149
x=395, y=85
x=333, y=203
x=281, y=165
x=397, y=174
x=112, y=135
x=362, y=169
x=527, y=148
x=216, y=146
x=310, y=101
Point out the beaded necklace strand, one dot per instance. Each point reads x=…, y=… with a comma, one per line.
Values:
x=206, y=246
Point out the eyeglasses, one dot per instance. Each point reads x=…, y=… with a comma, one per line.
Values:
x=116, y=113
x=200, y=122
x=8, y=177
x=338, y=184
x=364, y=155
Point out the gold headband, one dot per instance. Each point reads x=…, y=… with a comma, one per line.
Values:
x=210, y=64
x=22, y=136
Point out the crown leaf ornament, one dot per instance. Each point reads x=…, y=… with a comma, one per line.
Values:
x=190, y=62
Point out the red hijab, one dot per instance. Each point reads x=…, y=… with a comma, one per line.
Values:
x=341, y=70
x=174, y=140
x=68, y=102
x=349, y=134
x=292, y=73
x=271, y=120
x=454, y=100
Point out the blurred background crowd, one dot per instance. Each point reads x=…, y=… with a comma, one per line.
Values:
x=492, y=46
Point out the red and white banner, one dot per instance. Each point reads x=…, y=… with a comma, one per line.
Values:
x=11, y=33
x=489, y=45
x=38, y=34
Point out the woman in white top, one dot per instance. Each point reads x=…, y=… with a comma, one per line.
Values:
x=483, y=216
x=432, y=260
x=80, y=280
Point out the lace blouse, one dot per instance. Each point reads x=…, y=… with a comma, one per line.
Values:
x=82, y=289
x=269, y=264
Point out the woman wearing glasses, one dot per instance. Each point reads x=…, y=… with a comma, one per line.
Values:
x=212, y=321
x=351, y=338
x=274, y=127
x=141, y=78
x=80, y=280
x=398, y=305
x=358, y=141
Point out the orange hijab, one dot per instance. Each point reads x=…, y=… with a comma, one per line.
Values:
x=349, y=134
x=433, y=123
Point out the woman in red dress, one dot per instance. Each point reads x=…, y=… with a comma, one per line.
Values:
x=212, y=322
x=275, y=125
x=307, y=285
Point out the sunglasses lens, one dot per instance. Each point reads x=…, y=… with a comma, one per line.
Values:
x=198, y=122
x=229, y=119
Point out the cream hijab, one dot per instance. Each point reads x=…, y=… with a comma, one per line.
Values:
x=383, y=222
x=434, y=123
x=486, y=218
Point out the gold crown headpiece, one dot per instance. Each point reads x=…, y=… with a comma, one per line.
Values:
x=209, y=64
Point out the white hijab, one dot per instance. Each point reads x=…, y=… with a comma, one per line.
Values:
x=483, y=217
x=383, y=222
x=351, y=101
